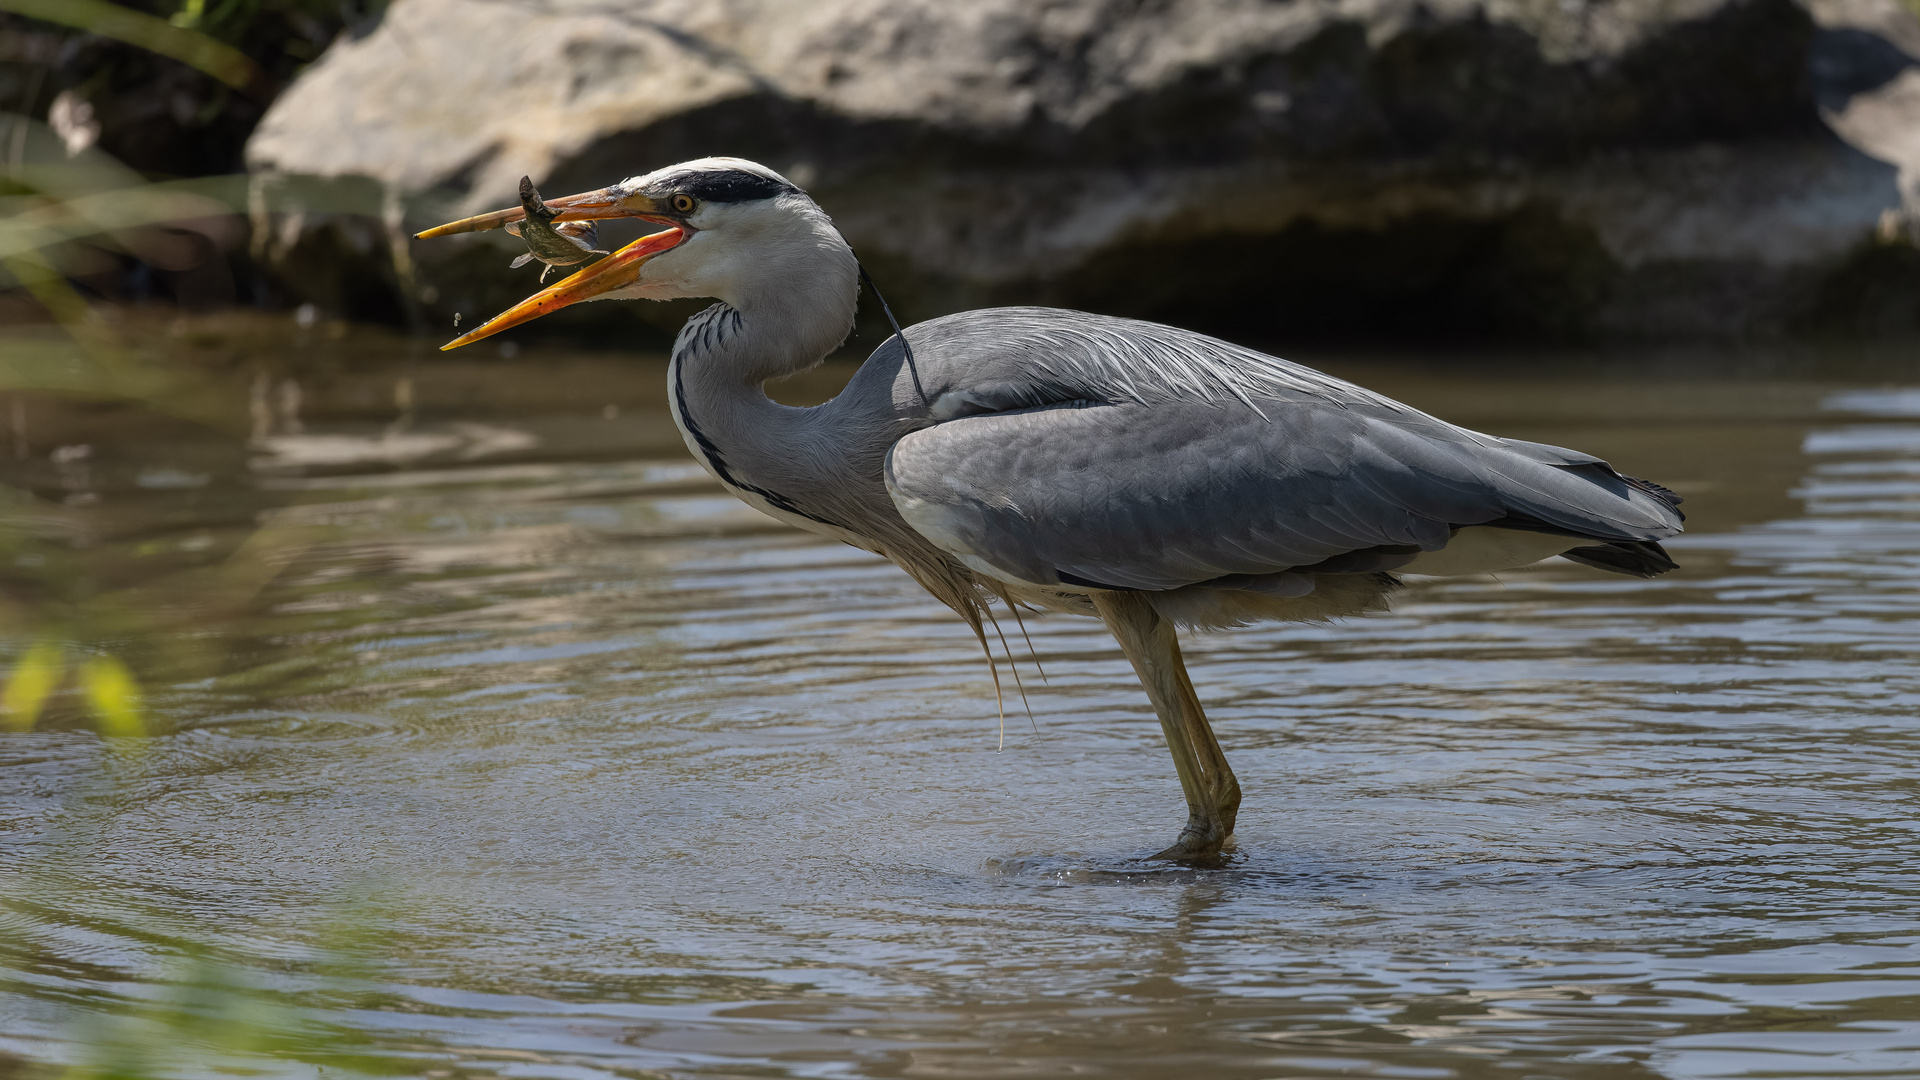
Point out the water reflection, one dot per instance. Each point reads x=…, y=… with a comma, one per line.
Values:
x=628, y=781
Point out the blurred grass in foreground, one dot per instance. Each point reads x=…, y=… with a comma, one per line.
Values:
x=68, y=213
x=183, y=1006
x=88, y=615
x=80, y=634
x=61, y=214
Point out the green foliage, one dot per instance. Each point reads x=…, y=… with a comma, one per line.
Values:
x=177, y=39
x=196, y=1008
x=35, y=676
x=241, y=21
x=113, y=697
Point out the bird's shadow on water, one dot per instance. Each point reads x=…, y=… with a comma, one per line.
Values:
x=1478, y=900
x=1242, y=872
x=1136, y=870
x=1264, y=868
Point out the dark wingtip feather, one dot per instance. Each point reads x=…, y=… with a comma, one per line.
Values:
x=1641, y=558
x=1652, y=488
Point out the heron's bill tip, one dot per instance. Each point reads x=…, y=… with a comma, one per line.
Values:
x=477, y=223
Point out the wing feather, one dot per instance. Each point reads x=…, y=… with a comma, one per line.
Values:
x=1166, y=493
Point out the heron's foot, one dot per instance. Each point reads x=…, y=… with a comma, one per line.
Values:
x=1202, y=840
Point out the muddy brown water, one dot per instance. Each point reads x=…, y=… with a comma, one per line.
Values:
x=491, y=738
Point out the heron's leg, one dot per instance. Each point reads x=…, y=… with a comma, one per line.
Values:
x=1213, y=795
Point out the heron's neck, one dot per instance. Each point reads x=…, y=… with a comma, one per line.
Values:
x=722, y=360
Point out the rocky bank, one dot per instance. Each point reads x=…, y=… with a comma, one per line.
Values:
x=1274, y=170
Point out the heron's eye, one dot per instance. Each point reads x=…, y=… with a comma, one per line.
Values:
x=683, y=202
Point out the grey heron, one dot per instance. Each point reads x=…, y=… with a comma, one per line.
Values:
x=1148, y=476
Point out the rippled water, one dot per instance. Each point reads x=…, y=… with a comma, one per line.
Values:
x=492, y=739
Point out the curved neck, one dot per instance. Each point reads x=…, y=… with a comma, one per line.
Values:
x=803, y=461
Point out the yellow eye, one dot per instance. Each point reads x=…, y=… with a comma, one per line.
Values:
x=683, y=203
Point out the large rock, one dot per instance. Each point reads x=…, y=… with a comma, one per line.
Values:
x=1642, y=167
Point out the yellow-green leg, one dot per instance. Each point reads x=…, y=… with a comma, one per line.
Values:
x=1213, y=795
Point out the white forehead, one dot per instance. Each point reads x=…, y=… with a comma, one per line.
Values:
x=700, y=165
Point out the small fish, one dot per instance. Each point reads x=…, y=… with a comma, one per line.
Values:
x=566, y=244
x=456, y=315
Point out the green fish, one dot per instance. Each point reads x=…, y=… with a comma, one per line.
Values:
x=566, y=244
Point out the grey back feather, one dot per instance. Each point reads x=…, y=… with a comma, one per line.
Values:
x=996, y=359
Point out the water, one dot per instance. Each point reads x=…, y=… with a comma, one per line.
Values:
x=490, y=739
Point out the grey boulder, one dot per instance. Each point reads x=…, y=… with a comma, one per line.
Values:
x=1270, y=170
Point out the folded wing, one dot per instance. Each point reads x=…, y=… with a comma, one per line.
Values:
x=1164, y=493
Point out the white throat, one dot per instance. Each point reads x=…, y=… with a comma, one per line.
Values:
x=788, y=282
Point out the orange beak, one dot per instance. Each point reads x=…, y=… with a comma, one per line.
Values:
x=616, y=271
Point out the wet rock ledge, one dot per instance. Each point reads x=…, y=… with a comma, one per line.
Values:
x=1386, y=168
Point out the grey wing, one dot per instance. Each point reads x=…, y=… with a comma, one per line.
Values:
x=1172, y=493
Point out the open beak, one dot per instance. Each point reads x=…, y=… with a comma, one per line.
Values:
x=616, y=271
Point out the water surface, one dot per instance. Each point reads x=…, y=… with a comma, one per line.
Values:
x=492, y=739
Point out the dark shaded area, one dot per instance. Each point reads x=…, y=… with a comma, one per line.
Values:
x=168, y=120
x=156, y=114
x=1530, y=274
x=1475, y=89
x=1846, y=61
x=1525, y=277
x=1874, y=294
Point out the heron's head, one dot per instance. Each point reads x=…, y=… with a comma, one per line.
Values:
x=730, y=229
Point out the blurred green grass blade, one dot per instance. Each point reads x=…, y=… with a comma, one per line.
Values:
x=194, y=49
x=38, y=161
x=113, y=696
x=115, y=211
x=35, y=675
x=67, y=306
